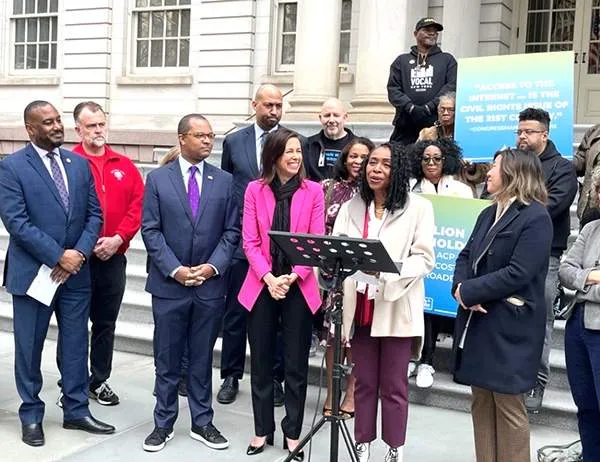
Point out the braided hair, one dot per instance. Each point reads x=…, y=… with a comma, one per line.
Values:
x=400, y=174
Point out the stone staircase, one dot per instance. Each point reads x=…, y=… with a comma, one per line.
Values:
x=135, y=325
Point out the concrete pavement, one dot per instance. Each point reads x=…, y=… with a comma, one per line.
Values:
x=433, y=435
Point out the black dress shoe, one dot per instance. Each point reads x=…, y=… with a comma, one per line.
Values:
x=277, y=394
x=298, y=456
x=228, y=391
x=33, y=434
x=254, y=450
x=89, y=424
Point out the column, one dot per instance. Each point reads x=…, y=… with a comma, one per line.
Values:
x=316, y=61
x=385, y=30
x=461, y=20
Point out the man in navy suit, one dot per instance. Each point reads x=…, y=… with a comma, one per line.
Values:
x=49, y=207
x=242, y=158
x=190, y=229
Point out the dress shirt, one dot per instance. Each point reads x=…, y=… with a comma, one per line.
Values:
x=259, y=134
x=43, y=155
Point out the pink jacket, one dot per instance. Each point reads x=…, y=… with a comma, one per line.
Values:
x=307, y=216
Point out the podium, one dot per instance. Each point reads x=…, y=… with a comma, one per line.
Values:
x=340, y=256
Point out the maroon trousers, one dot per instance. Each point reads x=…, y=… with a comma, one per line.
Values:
x=380, y=365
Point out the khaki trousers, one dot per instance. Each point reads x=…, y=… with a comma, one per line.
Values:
x=500, y=427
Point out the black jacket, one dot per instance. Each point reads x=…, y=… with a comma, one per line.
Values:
x=503, y=268
x=311, y=158
x=561, y=182
x=410, y=84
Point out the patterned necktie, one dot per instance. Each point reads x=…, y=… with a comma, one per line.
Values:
x=193, y=191
x=263, y=138
x=59, y=180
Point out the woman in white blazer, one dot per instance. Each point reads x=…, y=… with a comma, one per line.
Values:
x=385, y=322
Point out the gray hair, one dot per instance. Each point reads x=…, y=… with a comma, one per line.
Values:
x=450, y=96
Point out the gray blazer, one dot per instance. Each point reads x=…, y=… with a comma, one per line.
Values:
x=583, y=257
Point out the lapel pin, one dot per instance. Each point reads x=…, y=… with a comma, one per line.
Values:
x=68, y=160
x=210, y=177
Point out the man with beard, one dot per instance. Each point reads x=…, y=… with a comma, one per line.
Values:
x=50, y=210
x=190, y=229
x=325, y=147
x=120, y=191
x=417, y=80
x=242, y=158
x=561, y=182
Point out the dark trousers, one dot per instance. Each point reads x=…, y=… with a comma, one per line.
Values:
x=434, y=325
x=235, y=325
x=296, y=326
x=380, y=365
x=582, y=353
x=30, y=322
x=193, y=321
x=108, y=286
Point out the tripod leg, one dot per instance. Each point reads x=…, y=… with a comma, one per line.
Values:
x=348, y=441
x=313, y=431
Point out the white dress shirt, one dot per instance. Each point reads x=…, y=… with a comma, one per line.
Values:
x=43, y=155
x=259, y=143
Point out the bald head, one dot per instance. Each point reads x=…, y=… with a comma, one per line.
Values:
x=268, y=105
x=333, y=118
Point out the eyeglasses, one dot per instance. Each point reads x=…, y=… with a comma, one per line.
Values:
x=528, y=131
x=449, y=110
x=434, y=160
x=202, y=136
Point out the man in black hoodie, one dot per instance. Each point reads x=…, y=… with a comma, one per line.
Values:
x=417, y=79
x=561, y=182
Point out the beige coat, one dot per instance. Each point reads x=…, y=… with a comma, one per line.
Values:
x=408, y=237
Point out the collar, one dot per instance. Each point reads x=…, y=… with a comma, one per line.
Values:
x=184, y=166
x=109, y=153
x=42, y=152
x=258, y=132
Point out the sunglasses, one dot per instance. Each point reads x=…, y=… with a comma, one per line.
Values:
x=435, y=160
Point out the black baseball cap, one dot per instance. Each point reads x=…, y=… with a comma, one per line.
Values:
x=424, y=22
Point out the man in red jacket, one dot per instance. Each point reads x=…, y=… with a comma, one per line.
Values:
x=120, y=191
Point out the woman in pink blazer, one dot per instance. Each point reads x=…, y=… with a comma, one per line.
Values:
x=274, y=291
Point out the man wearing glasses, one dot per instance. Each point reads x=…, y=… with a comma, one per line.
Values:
x=190, y=229
x=561, y=182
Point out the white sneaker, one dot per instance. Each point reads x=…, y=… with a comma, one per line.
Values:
x=412, y=369
x=363, y=451
x=425, y=376
x=394, y=454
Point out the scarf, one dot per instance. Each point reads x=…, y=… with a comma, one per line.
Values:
x=281, y=218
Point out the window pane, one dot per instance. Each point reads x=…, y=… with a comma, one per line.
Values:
x=157, y=24
x=537, y=27
x=44, y=56
x=185, y=23
x=142, y=53
x=29, y=6
x=143, y=29
x=563, y=4
x=184, y=2
x=346, y=14
x=141, y=3
x=289, y=17
x=563, y=26
x=156, y=53
x=31, y=56
x=20, y=30
x=561, y=46
x=595, y=26
x=170, y=2
x=54, y=28
x=539, y=4
x=288, y=49
x=32, y=30
x=536, y=48
x=20, y=57
x=44, y=29
x=155, y=2
x=171, y=53
x=42, y=6
x=184, y=52
x=594, y=58
x=53, y=56
x=344, y=57
x=17, y=8
x=172, y=23
x=53, y=6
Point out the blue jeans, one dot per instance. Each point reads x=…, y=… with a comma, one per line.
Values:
x=582, y=352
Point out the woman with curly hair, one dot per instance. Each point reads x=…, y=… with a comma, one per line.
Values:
x=436, y=164
x=385, y=320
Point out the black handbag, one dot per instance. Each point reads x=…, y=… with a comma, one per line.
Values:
x=564, y=303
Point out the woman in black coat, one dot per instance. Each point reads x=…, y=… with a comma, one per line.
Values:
x=500, y=325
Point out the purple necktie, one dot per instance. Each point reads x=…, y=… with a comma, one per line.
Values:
x=59, y=181
x=193, y=191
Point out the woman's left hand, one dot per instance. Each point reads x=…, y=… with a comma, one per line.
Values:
x=458, y=298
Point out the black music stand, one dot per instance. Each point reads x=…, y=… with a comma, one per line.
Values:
x=340, y=257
